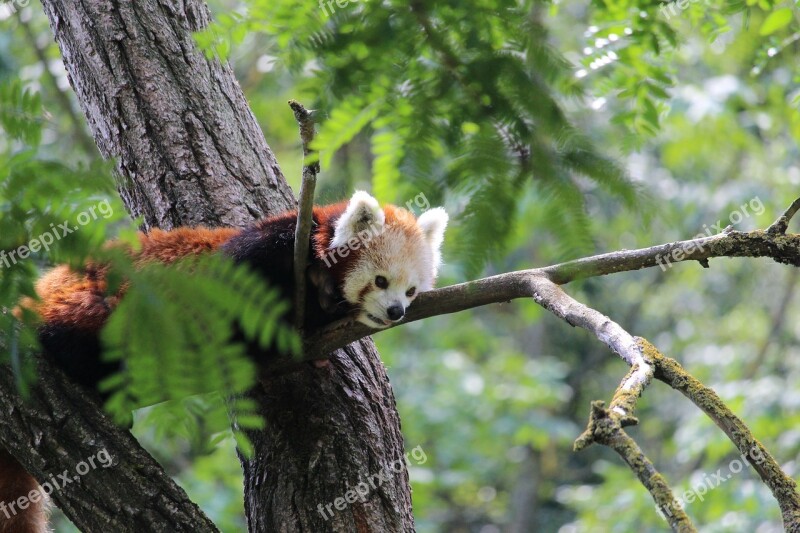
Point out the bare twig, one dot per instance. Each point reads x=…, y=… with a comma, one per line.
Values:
x=780, y=226
x=302, y=233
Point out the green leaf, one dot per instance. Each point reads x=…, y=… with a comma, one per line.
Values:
x=776, y=20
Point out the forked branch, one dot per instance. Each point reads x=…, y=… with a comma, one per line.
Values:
x=783, y=248
x=606, y=425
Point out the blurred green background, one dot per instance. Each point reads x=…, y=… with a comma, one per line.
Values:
x=549, y=130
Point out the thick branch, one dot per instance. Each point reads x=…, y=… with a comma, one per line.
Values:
x=302, y=233
x=189, y=151
x=505, y=287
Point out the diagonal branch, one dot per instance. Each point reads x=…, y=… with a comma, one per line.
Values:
x=782, y=486
x=779, y=316
x=780, y=226
x=128, y=491
x=86, y=142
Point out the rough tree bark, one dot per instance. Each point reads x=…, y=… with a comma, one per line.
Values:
x=190, y=152
x=59, y=427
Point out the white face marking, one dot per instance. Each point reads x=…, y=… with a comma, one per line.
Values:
x=404, y=260
x=407, y=256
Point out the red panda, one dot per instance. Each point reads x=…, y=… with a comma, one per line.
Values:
x=364, y=260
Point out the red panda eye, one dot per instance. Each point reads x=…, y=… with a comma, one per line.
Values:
x=411, y=292
x=381, y=282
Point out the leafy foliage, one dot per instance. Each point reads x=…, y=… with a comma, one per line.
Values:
x=426, y=81
x=173, y=331
x=20, y=112
x=630, y=48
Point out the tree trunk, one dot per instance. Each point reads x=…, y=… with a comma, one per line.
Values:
x=189, y=151
x=59, y=428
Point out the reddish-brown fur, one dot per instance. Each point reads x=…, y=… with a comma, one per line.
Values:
x=326, y=217
x=169, y=246
x=80, y=300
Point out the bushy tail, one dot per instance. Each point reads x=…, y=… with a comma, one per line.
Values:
x=19, y=513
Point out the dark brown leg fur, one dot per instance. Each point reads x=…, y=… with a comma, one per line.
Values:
x=16, y=487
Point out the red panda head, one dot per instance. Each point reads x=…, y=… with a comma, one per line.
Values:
x=393, y=256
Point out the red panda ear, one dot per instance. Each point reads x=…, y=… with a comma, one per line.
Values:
x=363, y=213
x=433, y=223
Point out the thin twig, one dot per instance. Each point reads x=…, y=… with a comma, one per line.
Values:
x=780, y=226
x=302, y=232
x=605, y=428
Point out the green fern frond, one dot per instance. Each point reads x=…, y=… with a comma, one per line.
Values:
x=174, y=330
x=21, y=112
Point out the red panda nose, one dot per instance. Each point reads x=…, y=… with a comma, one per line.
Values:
x=395, y=312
